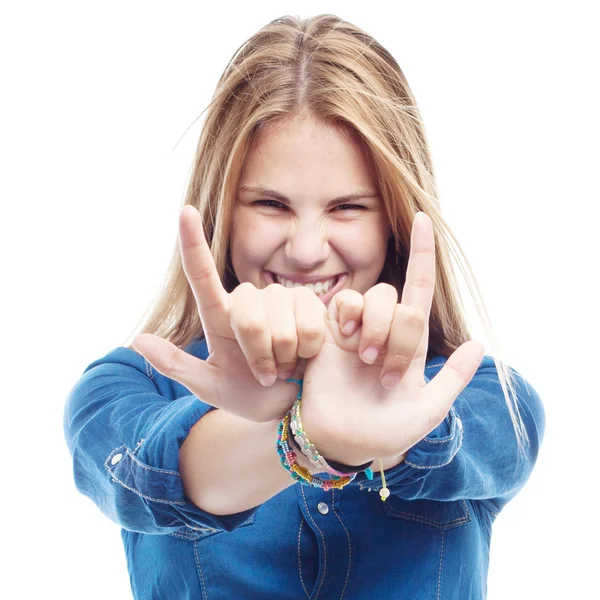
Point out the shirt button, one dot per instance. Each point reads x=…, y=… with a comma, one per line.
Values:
x=323, y=508
x=115, y=459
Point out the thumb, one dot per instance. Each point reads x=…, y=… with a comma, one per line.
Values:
x=174, y=363
x=441, y=392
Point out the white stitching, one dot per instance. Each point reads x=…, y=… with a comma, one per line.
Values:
x=349, y=542
x=322, y=537
x=116, y=479
x=204, y=529
x=185, y=535
x=410, y=464
x=426, y=521
x=144, y=495
x=197, y=557
x=148, y=369
x=138, y=446
x=141, y=464
x=299, y=561
x=390, y=511
x=439, y=584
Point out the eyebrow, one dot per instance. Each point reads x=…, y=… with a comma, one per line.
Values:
x=260, y=189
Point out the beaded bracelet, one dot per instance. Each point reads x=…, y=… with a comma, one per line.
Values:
x=312, y=453
x=289, y=462
x=294, y=446
x=309, y=450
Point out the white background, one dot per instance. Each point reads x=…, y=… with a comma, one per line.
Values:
x=96, y=97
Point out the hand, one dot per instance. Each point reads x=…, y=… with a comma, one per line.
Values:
x=388, y=330
x=251, y=334
x=346, y=412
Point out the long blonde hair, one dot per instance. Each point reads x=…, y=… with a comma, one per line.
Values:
x=333, y=71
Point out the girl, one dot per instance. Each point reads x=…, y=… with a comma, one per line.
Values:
x=304, y=414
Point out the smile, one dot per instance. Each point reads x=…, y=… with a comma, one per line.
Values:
x=325, y=289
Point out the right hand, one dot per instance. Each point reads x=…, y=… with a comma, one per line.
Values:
x=252, y=334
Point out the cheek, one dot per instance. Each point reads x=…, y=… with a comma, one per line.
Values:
x=253, y=240
x=363, y=246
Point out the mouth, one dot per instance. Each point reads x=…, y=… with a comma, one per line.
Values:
x=324, y=297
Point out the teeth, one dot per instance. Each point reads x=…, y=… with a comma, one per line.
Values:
x=318, y=288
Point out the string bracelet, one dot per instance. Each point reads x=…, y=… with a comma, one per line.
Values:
x=309, y=450
x=289, y=462
x=335, y=469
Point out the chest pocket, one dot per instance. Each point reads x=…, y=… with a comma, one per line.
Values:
x=194, y=534
x=441, y=515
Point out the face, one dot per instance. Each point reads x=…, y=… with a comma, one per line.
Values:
x=302, y=232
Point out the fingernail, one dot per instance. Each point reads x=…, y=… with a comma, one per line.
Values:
x=349, y=327
x=390, y=380
x=370, y=354
x=267, y=379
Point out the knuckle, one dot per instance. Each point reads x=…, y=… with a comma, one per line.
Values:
x=377, y=335
x=284, y=339
x=348, y=293
x=349, y=298
x=383, y=289
x=244, y=286
x=301, y=289
x=400, y=362
x=311, y=334
x=262, y=363
x=198, y=274
x=285, y=367
x=276, y=288
x=415, y=316
x=251, y=327
x=422, y=281
x=410, y=315
x=242, y=291
x=174, y=365
x=303, y=292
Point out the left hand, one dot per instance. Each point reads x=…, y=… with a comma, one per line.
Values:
x=346, y=411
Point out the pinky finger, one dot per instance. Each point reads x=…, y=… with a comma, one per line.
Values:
x=350, y=304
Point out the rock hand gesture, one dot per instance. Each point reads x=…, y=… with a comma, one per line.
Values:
x=254, y=334
x=349, y=415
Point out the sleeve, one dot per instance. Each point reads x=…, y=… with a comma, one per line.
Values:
x=473, y=453
x=124, y=438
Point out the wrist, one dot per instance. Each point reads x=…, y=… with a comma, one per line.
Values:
x=335, y=446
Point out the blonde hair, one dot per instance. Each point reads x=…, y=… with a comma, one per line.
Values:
x=331, y=70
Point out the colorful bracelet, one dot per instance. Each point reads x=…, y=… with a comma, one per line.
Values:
x=306, y=447
x=289, y=462
x=312, y=453
x=338, y=471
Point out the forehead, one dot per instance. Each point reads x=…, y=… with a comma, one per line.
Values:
x=307, y=153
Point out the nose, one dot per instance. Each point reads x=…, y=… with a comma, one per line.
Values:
x=307, y=244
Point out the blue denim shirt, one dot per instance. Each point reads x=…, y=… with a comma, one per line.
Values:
x=124, y=423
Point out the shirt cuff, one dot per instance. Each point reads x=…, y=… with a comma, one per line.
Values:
x=151, y=470
x=435, y=450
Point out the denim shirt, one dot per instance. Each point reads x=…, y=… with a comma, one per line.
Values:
x=124, y=424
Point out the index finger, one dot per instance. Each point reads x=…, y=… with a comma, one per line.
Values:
x=420, y=275
x=201, y=272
